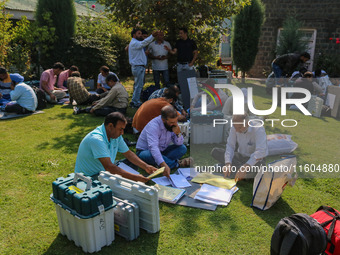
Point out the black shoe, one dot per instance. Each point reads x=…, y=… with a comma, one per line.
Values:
x=132, y=105
x=128, y=143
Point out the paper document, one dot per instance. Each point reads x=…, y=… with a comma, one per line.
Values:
x=169, y=194
x=192, y=83
x=179, y=181
x=187, y=172
x=157, y=172
x=175, y=180
x=215, y=194
x=162, y=181
x=330, y=100
x=127, y=168
x=215, y=180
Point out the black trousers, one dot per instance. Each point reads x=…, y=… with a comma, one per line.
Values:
x=16, y=108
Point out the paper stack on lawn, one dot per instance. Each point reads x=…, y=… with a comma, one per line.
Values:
x=215, y=195
x=188, y=172
x=215, y=180
x=169, y=194
x=175, y=180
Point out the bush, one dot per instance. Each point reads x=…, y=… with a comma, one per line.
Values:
x=329, y=63
x=99, y=42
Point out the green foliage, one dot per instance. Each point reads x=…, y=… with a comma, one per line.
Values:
x=204, y=19
x=99, y=41
x=329, y=63
x=6, y=35
x=63, y=16
x=246, y=34
x=291, y=38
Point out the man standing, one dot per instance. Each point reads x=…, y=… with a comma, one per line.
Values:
x=48, y=81
x=186, y=50
x=252, y=149
x=159, y=56
x=63, y=76
x=153, y=145
x=115, y=101
x=98, y=150
x=138, y=62
x=23, y=96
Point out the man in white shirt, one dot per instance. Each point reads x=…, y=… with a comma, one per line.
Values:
x=23, y=96
x=159, y=56
x=138, y=61
x=251, y=152
x=101, y=81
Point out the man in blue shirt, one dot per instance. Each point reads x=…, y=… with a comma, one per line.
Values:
x=98, y=150
x=23, y=96
x=138, y=62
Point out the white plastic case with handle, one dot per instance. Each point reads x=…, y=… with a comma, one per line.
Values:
x=145, y=196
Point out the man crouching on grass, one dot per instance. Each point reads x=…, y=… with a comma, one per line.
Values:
x=251, y=152
x=98, y=150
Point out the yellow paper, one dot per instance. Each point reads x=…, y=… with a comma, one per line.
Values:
x=157, y=172
x=215, y=180
x=168, y=193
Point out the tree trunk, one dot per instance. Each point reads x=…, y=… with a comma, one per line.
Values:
x=243, y=77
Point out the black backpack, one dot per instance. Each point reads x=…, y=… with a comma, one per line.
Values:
x=41, y=98
x=298, y=234
x=146, y=93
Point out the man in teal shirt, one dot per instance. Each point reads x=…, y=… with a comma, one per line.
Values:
x=98, y=150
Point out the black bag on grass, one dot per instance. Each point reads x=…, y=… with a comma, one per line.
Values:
x=298, y=234
x=42, y=102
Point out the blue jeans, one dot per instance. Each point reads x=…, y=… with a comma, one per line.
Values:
x=277, y=70
x=157, y=77
x=138, y=72
x=171, y=155
x=184, y=67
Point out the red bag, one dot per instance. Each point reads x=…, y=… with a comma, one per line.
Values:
x=329, y=219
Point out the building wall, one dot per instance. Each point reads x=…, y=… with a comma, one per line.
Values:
x=322, y=15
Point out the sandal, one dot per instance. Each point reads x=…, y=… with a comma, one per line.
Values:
x=186, y=162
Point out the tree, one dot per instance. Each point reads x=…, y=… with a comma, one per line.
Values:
x=203, y=18
x=291, y=39
x=63, y=16
x=99, y=41
x=6, y=35
x=246, y=34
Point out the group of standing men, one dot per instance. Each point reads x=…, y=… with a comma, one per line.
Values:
x=158, y=50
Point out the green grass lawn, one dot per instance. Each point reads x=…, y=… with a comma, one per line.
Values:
x=36, y=150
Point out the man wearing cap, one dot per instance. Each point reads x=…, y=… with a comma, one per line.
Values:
x=48, y=83
x=23, y=96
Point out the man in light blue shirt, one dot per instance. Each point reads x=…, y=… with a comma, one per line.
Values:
x=23, y=97
x=138, y=62
x=98, y=150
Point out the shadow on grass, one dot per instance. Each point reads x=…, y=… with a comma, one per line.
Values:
x=144, y=244
x=271, y=216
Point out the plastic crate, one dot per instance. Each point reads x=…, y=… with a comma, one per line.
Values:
x=126, y=219
x=85, y=211
x=315, y=106
x=145, y=196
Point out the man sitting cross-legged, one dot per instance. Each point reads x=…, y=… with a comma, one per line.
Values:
x=153, y=145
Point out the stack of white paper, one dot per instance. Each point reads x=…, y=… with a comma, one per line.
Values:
x=215, y=195
x=175, y=180
x=188, y=172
